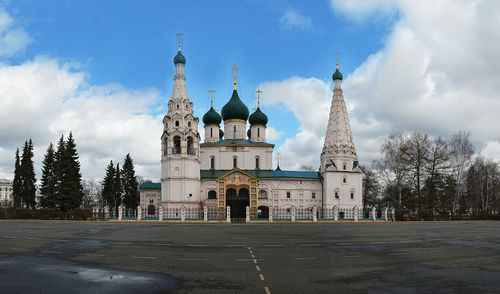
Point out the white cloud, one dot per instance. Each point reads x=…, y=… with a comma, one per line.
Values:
x=13, y=39
x=273, y=134
x=293, y=18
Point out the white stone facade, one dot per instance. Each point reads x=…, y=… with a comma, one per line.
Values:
x=222, y=170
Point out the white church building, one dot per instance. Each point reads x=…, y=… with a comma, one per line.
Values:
x=233, y=164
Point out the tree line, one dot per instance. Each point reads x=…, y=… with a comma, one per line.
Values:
x=61, y=185
x=432, y=177
x=120, y=186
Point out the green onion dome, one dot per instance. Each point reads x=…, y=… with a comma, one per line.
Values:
x=221, y=133
x=212, y=117
x=337, y=75
x=179, y=58
x=249, y=134
x=258, y=118
x=234, y=109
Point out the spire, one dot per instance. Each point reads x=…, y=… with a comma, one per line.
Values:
x=211, y=98
x=179, y=35
x=338, y=140
x=235, y=69
x=258, y=97
x=179, y=90
x=278, y=163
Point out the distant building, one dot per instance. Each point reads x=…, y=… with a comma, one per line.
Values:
x=6, y=198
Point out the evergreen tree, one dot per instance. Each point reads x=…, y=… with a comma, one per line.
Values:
x=71, y=181
x=129, y=183
x=49, y=179
x=16, y=184
x=117, y=187
x=58, y=171
x=108, y=194
x=28, y=180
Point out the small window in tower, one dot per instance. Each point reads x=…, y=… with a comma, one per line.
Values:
x=258, y=132
x=352, y=195
x=235, y=162
x=288, y=194
x=211, y=132
x=212, y=162
x=313, y=195
x=189, y=124
x=345, y=167
x=234, y=130
x=337, y=195
x=257, y=163
x=176, y=123
x=344, y=180
x=177, y=105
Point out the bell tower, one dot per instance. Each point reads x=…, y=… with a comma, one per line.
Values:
x=180, y=141
x=342, y=177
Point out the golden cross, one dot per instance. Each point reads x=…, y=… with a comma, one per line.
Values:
x=179, y=35
x=258, y=96
x=337, y=53
x=211, y=98
x=235, y=69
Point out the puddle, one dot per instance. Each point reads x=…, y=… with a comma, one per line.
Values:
x=91, y=232
x=50, y=275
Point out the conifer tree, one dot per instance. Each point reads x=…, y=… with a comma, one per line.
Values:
x=49, y=179
x=71, y=181
x=16, y=184
x=117, y=187
x=129, y=183
x=28, y=180
x=58, y=170
x=108, y=194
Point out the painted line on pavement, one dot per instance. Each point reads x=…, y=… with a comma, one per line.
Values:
x=345, y=243
x=257, y=268
x=310, y=244
x=162, y=244
x=352, y=256
x=267, y=290
x=399, y=253
x=249, y=259
x=50, y=251
x=124, y=243
x=194, y=259
x=92, y=254
x=197, y=245
x=235, y=245
x=274, y=245
x=261, y=277
x=60, y=240
x=19, y=249
x=9, y=237
x=305, y=258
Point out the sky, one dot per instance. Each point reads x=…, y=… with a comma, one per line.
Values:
x=103, y=70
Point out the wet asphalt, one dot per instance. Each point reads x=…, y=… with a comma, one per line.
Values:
x=100, y=257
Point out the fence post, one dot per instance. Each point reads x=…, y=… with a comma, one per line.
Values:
x=160, y=212
x=271, y=214
x=374, y=213
x=183, y=213
x=293, y=214
x=335, y=213
x=393, y=214
x=315, y=214
x=247, y=220
x=120, y=212
x=228, y=214
x=139, y=213
x=106, y=212
x=385, y=213
x=356, y=214
x=205, y=213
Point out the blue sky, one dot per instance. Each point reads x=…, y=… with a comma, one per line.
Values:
x=103, y=69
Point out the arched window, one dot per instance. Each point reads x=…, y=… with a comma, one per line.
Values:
x=212, y=162
x=257, y=162
x=177, y=145
x=235, y=162
x=344, y=180
x=262, y=194
x=352, y=195
x=337, y=195
x=212, y=194
x=176, y=123
x=190, y=147
x=177, y=105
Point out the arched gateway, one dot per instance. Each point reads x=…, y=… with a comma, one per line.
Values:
x=238, y=190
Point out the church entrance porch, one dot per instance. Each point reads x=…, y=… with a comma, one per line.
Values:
x=238, y=200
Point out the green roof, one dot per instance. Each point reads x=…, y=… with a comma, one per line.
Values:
x=258, y=118
x=179, y=58
x=235, y=109
x=266, y=174
x=337, y=75
x=150, y=186
x=212, y=117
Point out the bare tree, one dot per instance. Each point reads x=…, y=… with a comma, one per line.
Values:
x=436, y=167
x=461, y=152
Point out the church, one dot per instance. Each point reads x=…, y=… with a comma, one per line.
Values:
x=233, y=164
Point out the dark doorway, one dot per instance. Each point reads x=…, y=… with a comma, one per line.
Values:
x=151, y=210
x=263, y=212
x=238, y=203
